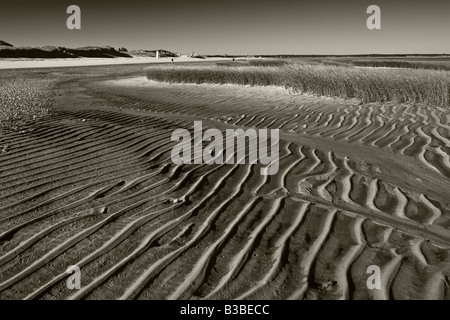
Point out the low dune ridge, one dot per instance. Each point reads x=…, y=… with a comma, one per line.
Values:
x=6, y=44
x=50, y=52
x=152, y=53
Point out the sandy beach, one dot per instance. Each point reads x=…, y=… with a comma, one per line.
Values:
x=93, y=185
x=80, y=62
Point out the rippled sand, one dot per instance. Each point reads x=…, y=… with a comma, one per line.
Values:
x=94, y=186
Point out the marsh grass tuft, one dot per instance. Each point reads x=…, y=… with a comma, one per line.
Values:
x=366, y=84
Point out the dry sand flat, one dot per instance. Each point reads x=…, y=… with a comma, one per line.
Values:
x=6, y=63
x=94, y=186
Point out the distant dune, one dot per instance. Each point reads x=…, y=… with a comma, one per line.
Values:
x=9, y=51
x=3, y=43
x=152, y=53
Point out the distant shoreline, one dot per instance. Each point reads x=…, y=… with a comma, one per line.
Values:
x=24, y=63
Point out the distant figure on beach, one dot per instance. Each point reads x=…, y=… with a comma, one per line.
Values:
x=172, y=59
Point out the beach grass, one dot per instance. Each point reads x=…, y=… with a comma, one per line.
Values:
x=366, y=84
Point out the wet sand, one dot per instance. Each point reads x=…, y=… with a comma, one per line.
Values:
x=94, y=186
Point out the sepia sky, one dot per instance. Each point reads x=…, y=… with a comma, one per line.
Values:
x=233, y=26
